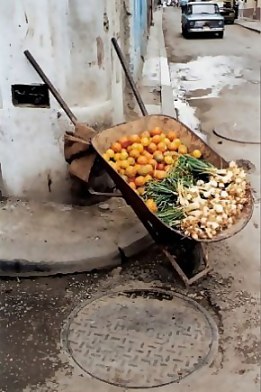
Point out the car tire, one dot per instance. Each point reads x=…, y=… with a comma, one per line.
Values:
x=185, y=33
x=221, y=34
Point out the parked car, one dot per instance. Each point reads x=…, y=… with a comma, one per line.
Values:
x=227, y=11
x=202, y=17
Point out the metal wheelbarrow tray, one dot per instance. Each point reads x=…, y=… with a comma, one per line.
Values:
x=162, y=234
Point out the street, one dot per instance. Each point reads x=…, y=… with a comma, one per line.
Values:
x=216, y=87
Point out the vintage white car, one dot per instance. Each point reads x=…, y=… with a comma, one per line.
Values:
x=202, y=17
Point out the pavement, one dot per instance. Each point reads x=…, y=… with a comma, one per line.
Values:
x=34, y=312
x=250, y=24
x=39, y=239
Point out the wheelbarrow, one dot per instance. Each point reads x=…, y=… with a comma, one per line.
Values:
x=184, y=253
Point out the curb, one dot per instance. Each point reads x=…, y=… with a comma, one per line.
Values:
x=248, y=28
x=131, y=243
x=63, y=244
x=167, y=99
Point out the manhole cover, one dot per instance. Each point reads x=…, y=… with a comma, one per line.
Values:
x=140, y=338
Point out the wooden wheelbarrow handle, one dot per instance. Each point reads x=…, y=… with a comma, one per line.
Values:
x=51, y=87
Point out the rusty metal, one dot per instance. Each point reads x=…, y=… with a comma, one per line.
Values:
x=160, y=232
x=51, y=87
x=108, y=194
x=129, y=77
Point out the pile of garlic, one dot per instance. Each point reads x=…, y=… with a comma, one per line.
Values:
x=213, y=206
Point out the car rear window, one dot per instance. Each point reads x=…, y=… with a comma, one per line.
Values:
x=204, y=9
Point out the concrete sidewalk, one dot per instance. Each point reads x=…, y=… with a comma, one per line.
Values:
x=38, y=239
x=156, y=87
x=250, y=24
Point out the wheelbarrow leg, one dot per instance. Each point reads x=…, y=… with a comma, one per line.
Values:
x=188, y=281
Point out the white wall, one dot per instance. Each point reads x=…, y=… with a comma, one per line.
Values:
x=68, y=39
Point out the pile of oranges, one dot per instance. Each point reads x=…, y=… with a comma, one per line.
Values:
x=143, y=157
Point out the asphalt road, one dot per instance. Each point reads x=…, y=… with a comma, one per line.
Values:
x=216, y=84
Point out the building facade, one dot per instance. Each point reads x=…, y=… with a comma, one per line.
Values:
x=252, y=9
x=71, y=40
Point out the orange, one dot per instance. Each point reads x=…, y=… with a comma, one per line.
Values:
x=106, y=156
x=123, y=155
x=116, y=147
x=158, y=156
x=134, y=138
x=143, y=171
x=134, y=153
x=152, y=147
x=137, y=167
x=141, y=190
x=130, y=172
x=152, y=162
x=140, y=147
x=132, y=185
x=172, y=146
x=171, y=135
x=149, y=168
x=166, y=141
x=177, y=142
x=147, y=154
x=155, y=131
x=131, y=161
x=160, y=166
x=156, y=139
x=148, y=178
x=145, y=141
x=196, y=154
x=139, y=181
x=162, y=147
x=152, y=206
x=124, y=164
x=142, y=160
x=118, y=165
x=117, y=156
x=168, y=160
x=160, y=174
x=134, y=146
x=110, y=153
x=182, y=149
x=145, y=134
x=124, y=141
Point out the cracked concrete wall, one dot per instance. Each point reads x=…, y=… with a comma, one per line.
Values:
x=71, y=41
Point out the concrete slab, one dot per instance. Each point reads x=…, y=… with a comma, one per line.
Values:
x=40, y=239
x=250, y=24
x=134, y=240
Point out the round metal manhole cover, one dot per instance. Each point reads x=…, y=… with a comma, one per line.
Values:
x=140, y=338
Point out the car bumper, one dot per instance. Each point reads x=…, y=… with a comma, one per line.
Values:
x=202, y=30
x=229, y=18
